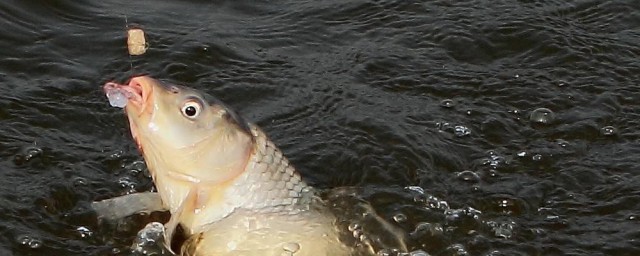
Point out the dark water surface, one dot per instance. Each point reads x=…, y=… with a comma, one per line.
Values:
x=389, y=96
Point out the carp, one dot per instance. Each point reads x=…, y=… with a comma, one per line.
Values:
x=227, y=186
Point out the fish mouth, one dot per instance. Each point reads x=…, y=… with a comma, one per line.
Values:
x=139, y=94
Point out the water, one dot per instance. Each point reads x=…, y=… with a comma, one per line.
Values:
x=380, y=95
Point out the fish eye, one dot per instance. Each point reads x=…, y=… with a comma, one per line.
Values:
x=191, y=109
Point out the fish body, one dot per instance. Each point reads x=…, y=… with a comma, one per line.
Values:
x=224, y=182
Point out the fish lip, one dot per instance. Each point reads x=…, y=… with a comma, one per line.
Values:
x=139, y=94
x=137, y=91
x=141, y=88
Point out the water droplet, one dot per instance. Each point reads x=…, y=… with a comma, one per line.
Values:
x=400, y=217
x=29, y=241
x=84, y=232
x=542, y=116
x=461, y=131
x=447, y=103
x=608, y=131
x=468, y=176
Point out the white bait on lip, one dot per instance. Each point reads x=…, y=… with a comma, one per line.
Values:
x=117, y=99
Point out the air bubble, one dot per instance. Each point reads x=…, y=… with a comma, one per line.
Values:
x=426, y=228
x=447, y=103
x=542, y=116
x=458, y=250
x=457, y=214
x=354, y=226
x=128, y=183
x=435, y=203
x=29, y=241
x=502, y=229
x=388, y=252
x=536, y=157
x=400, y=217
x=84, y=232
x=79, y=181
x=415, y=189
x=418, y=253
x=468, y=176
x=461, y=131
x=27, y=155
x=608, y=131
x=562, y=143
x=116, y=155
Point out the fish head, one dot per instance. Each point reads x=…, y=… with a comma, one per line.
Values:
x=185, y=134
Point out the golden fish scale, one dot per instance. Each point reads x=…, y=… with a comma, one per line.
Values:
x=282, y=213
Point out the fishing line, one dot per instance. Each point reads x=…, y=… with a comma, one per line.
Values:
x=126, y=24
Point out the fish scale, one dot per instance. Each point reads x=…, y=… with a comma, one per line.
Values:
x=270, y=179
x=279, y=198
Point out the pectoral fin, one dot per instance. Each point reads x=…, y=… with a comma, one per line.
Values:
x=123, y=206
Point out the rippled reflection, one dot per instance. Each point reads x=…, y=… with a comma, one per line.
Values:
x=473, y=127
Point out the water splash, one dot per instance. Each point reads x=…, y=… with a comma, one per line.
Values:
x=150, y=240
